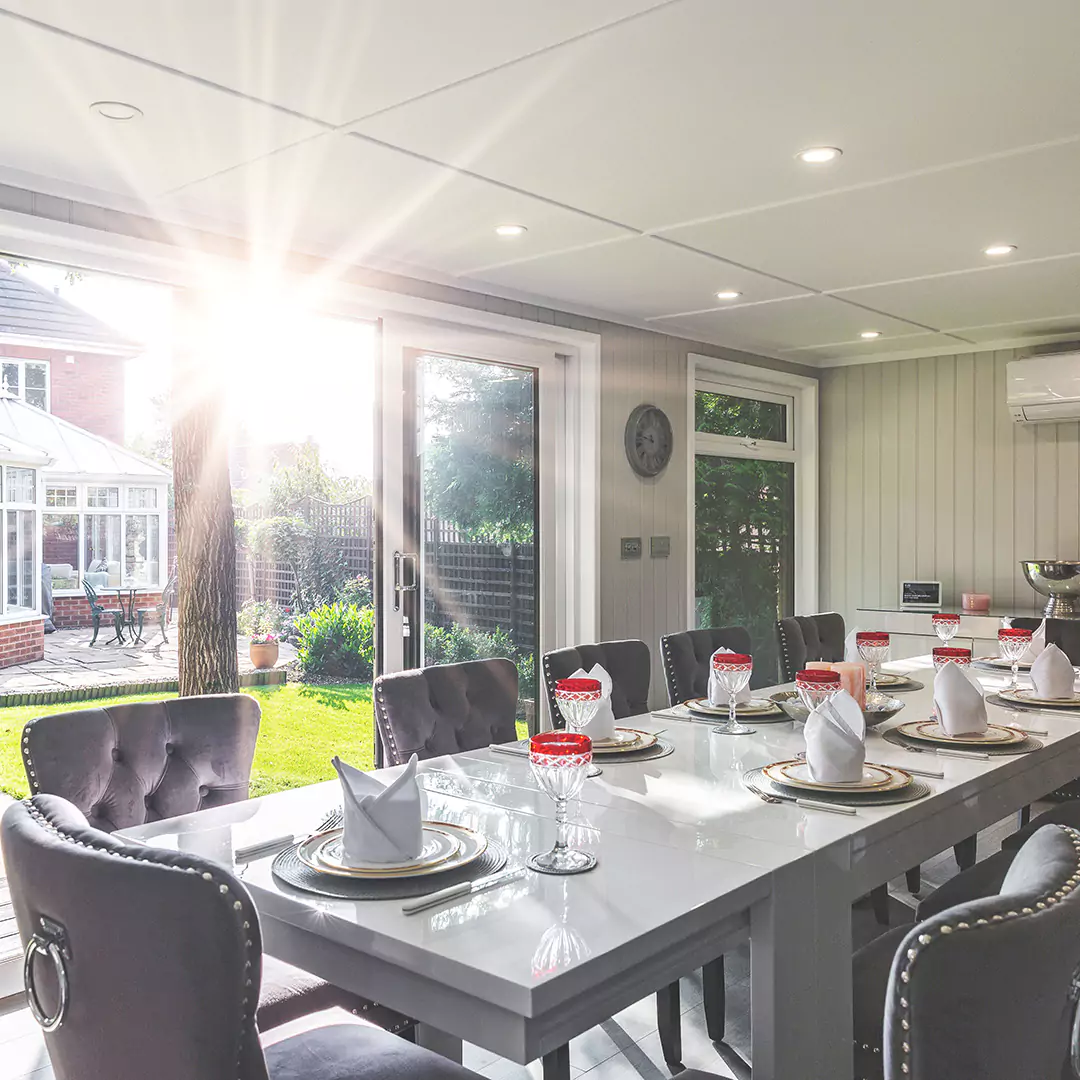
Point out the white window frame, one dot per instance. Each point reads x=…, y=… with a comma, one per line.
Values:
x=16, y=612
x=728, y=376
x=22, y=361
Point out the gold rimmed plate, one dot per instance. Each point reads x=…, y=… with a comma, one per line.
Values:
x=885, y=678
x=623, y=739
x=642, y=741
x=932, y=732
x=1000, y=662
x=754, y=707
x=320, y=854
x=874, y=780
x=1029, y=697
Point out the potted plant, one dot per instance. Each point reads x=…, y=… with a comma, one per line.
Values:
x=263, y=650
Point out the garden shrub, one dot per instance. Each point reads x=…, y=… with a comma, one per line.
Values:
x=337, y=639
x=456, y=644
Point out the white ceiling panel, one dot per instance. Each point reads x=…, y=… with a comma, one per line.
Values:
x=339, y=195
x=886, y=347
x=187, y=130
x=787, y=324
x=639, y=277
x=335, y=60
x=698, y=109
x=1003, y=294
x=1065, y=327
x=928, y=224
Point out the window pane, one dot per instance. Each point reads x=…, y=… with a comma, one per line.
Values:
x=102, y=496
x=37, y=399
x=10, y=376
x=28, y=527
x=60, y=496
x=745, y=418
x=141, y=549
x=60, y=548
x=20, y=485
x=11, y=543
x=745, y=548
x=35, y=376
x=102, y=554
x=142, y=498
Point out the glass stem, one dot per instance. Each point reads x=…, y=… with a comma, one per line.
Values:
x=732, y=719
x=873, y=677
x=560, y=825
x=1015, y=674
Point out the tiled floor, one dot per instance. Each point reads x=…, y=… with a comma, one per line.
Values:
x=626, y=1047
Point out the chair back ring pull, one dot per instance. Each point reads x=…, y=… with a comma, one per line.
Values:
x=50, y=941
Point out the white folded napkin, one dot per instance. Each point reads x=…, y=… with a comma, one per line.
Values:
x=835, y=734
x=717, y=694
x=1038, y=643
x=851, y=648
x=958, y=701
x=382, y=823
x=602, y=725
x=1052, y=675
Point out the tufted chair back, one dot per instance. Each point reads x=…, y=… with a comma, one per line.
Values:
x=987, y=988
x=159, y=952
x=1064, y=633
x=124, y=765
x=809, y=637
x=627, y=662
x=686, y=658
x=442, y=710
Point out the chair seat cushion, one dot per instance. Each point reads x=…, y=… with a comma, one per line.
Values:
x=356, y=1052
x=1066, y=813
x=870, y=979
x=289, y=992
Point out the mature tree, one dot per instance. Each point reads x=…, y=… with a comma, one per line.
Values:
x=205, y=530
x=308, y=477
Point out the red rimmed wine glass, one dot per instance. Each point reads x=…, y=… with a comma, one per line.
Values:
x=1013, y=643
x=817, y=685
x=945, y=626
x=945, y=655
x=579, y=701
x=560, y=761
x=732, y=671
x=873, y=646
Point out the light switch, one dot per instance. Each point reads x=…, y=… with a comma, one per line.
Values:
x=630, y=547
x=659, y=547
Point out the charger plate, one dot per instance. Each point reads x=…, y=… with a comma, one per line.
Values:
x=903, y=684
x=760, y=784
x=930, y=731
x=755, y=707
x=796, y=773
x=289, y=869
x=1029, y=697
x=1029, y=743
x=1018, y=705
x=637, y=741
x=623, y=739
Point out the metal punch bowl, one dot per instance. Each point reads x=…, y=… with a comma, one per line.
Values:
x=1060, y=581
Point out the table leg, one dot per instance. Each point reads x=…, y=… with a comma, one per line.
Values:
x=557, y=1063
x=448, y=1046
x=800, y=975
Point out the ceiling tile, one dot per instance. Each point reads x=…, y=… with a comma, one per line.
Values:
x=880, y=348
x=698, y=108
x=928, y=224
x=1065, y=327
x=341, y=196
x=187, y=130
x=639, y=277
x=335, y=60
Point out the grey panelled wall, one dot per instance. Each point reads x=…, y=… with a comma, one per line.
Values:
x=641, y=598
x=925, y=475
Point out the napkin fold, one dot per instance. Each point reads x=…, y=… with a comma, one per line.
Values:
x=602, y=725
x=717, y=694
x=1052, y=675
x=1038, y=643
x=382, y=823
x=960, y=707
x=835, y=734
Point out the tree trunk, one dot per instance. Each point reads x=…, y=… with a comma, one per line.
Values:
x=205, y=527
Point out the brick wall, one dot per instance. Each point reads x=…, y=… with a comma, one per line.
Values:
x=88, y=392
x=21, y=642
x=70, y=611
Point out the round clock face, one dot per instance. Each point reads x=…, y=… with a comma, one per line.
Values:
x=649, y=440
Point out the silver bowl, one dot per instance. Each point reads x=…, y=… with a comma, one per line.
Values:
x=1058, y=579
x=879, y=707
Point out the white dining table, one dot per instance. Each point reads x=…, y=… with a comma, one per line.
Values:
x=690, y=863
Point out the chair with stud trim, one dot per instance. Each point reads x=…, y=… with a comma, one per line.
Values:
x=809, y=637
x=984, y=988
x=686, y=658
x=124, y=765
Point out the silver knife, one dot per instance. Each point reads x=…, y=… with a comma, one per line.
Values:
x=454, y=892
x=509, y=748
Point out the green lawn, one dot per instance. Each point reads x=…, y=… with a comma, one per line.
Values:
x=303, y=727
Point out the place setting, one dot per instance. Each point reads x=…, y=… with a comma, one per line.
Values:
x=1053, y=681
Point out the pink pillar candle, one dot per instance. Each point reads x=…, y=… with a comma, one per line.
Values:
x=852, y=676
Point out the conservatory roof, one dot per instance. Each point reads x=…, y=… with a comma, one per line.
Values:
x=73, y=451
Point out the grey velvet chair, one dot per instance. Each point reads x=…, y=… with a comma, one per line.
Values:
x=809, y=637
x=124, y=765
x=146, y=962
x=686, y=657
x=443, y=710
x=984, y=988
x=627, y=662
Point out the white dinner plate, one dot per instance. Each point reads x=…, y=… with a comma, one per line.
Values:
x=642, y=741
x=623, y=739
x=1031, y=698
x=756, y=706
x=1000, y=662
x=931, y=731
x=875, y=778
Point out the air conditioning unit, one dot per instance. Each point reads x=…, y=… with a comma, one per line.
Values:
x=1044, y=389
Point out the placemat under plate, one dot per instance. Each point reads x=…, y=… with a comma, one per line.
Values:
x=898, y=739
x=901, y=688
x=760, y=784
x=1030, y=706
x=288, y=868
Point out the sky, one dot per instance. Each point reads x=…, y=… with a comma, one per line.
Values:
x=297, y=376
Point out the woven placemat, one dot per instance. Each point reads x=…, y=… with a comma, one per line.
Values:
x=1030, y=706
x=288, y=868
x=898, y=738
x=760, y=784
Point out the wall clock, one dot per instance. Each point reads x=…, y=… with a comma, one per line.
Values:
x=649, y=440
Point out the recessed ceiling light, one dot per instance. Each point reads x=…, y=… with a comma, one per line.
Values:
x=819, y=155
x=728, y=294
x=116, y=110
x=510, y=230
x=870, y=334
x=999, y=249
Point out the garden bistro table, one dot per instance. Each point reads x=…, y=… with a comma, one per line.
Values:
x=690, y=863
x=133, y=591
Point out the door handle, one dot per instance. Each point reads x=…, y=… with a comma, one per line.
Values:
x=401, y=585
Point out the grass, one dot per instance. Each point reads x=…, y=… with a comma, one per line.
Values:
x=303, y=727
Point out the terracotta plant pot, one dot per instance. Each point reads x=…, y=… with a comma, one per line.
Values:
x=263, y=655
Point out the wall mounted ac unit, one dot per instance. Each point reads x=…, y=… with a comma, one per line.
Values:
x=1044, y=389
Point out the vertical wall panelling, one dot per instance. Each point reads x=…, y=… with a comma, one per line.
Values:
x=887, y=482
